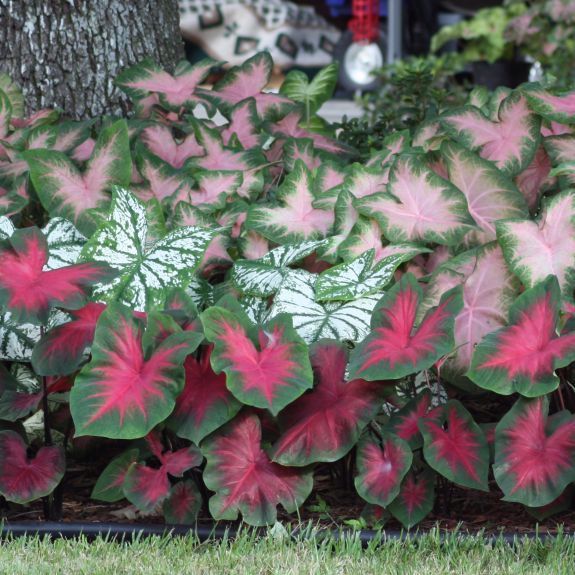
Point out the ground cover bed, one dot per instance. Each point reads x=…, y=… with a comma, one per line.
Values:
x=244, y=318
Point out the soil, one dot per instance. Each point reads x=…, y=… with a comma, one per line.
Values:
x=465, y=509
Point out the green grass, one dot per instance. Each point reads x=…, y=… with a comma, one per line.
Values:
x=249, y=554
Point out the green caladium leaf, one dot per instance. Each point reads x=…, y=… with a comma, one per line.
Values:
x=262, y=277
x=109, y=485
x=144, y=272
x=350, y=281
x=314, y=320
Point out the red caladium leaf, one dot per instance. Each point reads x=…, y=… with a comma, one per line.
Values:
x=174, y=91
x=395, y=348
x=61, y=349
x=183, y=504
x=455, y=446
x=270, y=374
x=247, y=81
x=24, y=478
x=418, y=205
x=382, y=463
x=160, y=141
x=534, y=454
x=510, y=142
x=129, y=386
x=245, y=479
x=523, y=357
x=28, y=291
x=67, y=192
x=109, y=486
x=325, y=423
x=206, y=403
x=415, y=499
x=404, y=422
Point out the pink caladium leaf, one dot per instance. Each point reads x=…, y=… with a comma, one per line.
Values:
x=24, y=478
x=244, y=126
x=247, y=81
x=183, y=503
x=364, y=181
x=455, y=446
x=535, y=249
x=214, y=188
x=490, y=194
x=11, y=201
x=489, y=289
x=395, y=348
x=174, y=91
x=510, y=142
x=534, y=453
x=325, y=423
x=418, y=206
x=5, y=114
x=244, y=478
x=29, y=292
x=129, y=386
x=296, y=218
x=160, y=141
x=67, y=192
x=415, y=499
x=269, y=374
x=109, y=486
x=382, y=463
x=61, y=350
x=205, y=404
x=523, y=357
x=404, y=422
x=559, y=108
x=535, y=178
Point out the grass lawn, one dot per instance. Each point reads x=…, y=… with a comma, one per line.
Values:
x=249, y=554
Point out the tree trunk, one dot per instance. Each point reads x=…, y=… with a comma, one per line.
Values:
x=66, y=53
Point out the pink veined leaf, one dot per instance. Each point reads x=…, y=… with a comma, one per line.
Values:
x=404, y=423
x=395, y=348
x=109, y=486
x=270, y=374
x=161, y=142
x=415, y=499
x=5, y=114
x=296, y=219
x=535, y=249
x=295, y=149
x=382, y=463
x=215, y=188
x=205, y=404
x=24, y=478
x=491, y=196
x=533, y=453
x=247, y=81
x=418, y=206
x=28, y=291
x=561, y=149
x=84, y=151
x=559, y=108
x=362, y=181
x=254, y=246
x=523, y=357
x=330, y=176
x=489, y=289
x=555, y=129
x=244, y=126
x=123, y=393
x=61, y=349
x=174, y=91
x=454, y=445
x=534, y=178
x=325, y=423
x=183, y=503
x=510, y=142
x=244, y=478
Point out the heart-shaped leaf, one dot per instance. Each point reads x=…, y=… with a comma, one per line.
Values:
x=109, y=486
x=415, y=499
x=183, y=503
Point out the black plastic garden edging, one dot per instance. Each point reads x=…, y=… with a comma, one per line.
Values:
x=130, y=532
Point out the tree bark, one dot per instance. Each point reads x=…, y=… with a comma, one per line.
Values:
x=66, y=53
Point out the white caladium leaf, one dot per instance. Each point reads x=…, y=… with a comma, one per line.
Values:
x=350, y=281
x=6, y=227
x=313, y=320
x=262, y=277
x=144, y=273
x=419, y=206
x=510, y=142
x=201, y=292
x=295, y=219
x=536, y=249
x=490, y=194
x=256, y=308
x=65, y=243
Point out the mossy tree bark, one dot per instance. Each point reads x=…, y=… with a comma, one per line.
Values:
x=66, y=53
